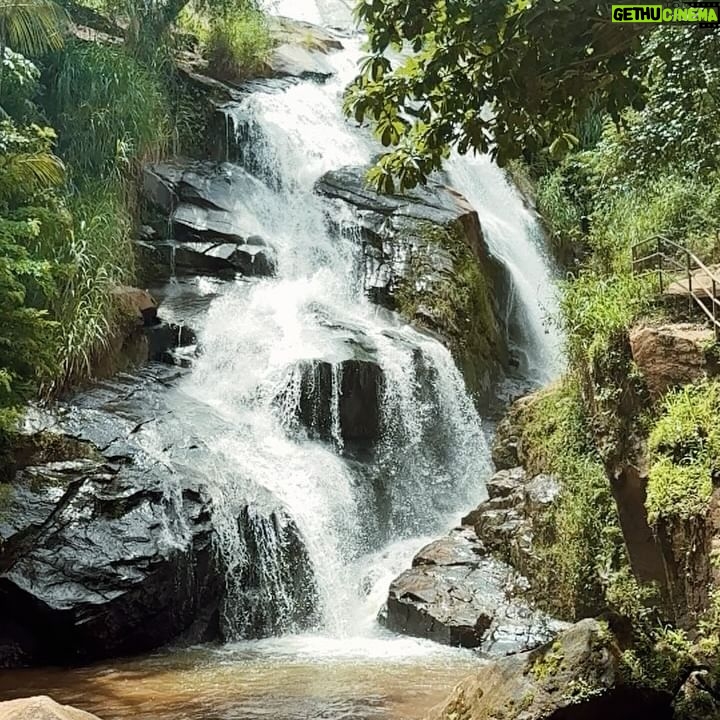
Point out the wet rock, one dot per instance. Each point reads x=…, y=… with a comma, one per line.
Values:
x=424, y=255
x=456, y=594
x=508, y=521
x=41, y=708
x=276, y=588
x=347, y=394
x=578, y=677
x=298, y=61
x=96, y=561
x=104, y=549
x=671, y=355
x=300, y=50
x=204, y=202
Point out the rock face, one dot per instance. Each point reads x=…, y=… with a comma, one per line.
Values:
x=506, y=523
x=424, y=255
x=41, y=708
x=672, y=355
x=109, y=544
x=96, y=561
x=456, y=594
x=204, y=204
x=578, y=677
x=339, y=400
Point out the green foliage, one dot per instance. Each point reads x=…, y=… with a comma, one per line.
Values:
x=684, y=449
x=28, y=172
x=99, y=251
x=19, y=83
x=595, y=309
x=580, y=546
x=238, y=43
x=111, y=112
x=31, y=27
x=541, y=66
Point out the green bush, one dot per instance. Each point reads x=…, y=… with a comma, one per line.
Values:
x=595, y=309
x=29, y=176
x=111, y=113
x=238, y=43
x=684, y=450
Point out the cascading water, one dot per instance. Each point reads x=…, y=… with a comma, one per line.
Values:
x=260, y=338
x=313, y=522
x=514, y=236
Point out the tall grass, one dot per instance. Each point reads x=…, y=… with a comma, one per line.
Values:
x=100, y=254
x=111, y=112
x=238, y=43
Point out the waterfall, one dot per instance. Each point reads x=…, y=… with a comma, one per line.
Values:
x=311, y=520
x=514, y=236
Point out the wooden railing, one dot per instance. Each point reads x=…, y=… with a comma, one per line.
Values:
x=679, y=273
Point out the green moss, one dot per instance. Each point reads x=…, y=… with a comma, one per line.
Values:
x=684, y=448
x=456, y=304
x=549, y=663
x=579, y=540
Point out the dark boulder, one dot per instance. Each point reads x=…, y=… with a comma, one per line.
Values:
x=424, y=255
x=204, y=203
x=342, y=399
x=273, y=591
x=96, y=561
x=456, y=594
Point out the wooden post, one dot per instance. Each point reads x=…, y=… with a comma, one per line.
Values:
x=690, y=287
x=714, y=304
x=658, y=252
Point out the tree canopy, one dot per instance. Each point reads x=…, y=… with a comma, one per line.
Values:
x=505, y=76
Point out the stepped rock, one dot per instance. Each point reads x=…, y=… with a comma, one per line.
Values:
x=456, y=594
x=424, y=255
x=204, y=203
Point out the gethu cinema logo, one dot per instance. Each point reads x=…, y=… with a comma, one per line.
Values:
x=658, y=13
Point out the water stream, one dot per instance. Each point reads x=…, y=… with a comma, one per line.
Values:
x=329, y=657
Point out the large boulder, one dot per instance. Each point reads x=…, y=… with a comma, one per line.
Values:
x=580, y=676
x=41, y=707
x=96, y=561
x=671, y=355
x=424, y=255
x=456, y=594
x=339, y=401
x=112, y=542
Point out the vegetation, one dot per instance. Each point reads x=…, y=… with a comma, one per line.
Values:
x=580, y=546
x=684, y=453
x=77, y=121
x=238, y=43
x=542, y=66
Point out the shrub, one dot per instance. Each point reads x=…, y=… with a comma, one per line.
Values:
x=100, y=253
x=684, y=450
x=238, y=43
x=595, y=309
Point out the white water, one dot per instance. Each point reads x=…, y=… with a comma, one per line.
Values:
x=514, y=236
x=360, y=524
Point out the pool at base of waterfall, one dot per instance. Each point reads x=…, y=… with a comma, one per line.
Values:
x=303, y=677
